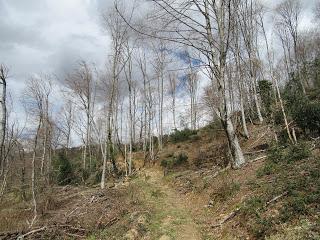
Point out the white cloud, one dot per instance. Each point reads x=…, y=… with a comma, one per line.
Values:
x=48, y=36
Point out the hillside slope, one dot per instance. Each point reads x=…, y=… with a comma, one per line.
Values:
x=275, y=196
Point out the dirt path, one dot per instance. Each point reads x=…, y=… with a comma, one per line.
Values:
x=172, y=217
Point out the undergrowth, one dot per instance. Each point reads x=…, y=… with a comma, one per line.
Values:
x=292, y=173
x=183, y=135
x=174, y=160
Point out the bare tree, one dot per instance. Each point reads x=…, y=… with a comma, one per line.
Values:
x=192, y=83
x=207, y=27
x=289, y=13
x=129, y=79
x=36, y=101
x=12, y=137
x=160, y=63
x=67, y=121
x=4, y=71
x=148, y=103
x=317, y=10
x=172, y=92
x=83, y=86
x=119, y=36
x=248, y=25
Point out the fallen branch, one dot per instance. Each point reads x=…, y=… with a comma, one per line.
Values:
x=235, y=212
x=21, y=237
x=218, y=172
x=276, y=198
x=74, y=235
x=227, y=218
x=100, y=224
x=112, y=221
x=70, y=227
x=259, y=138
x=63, y=228
x=259, y=158
x=255, y=152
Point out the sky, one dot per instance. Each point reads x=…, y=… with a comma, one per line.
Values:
x=50, y=36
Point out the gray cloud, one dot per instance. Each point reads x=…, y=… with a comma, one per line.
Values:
x=49, y=36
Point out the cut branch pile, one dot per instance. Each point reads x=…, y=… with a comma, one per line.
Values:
x=61, y=230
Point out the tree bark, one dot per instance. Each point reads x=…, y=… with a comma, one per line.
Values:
x=3, y=114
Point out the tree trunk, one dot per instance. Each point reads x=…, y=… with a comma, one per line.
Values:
x=243, y=118
x=233, y=143
x=256, y=99
x=3, y=117
x=33, y=173
x=104, y=165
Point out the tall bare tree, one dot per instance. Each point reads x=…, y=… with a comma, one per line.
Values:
x=67, y=121
x=192, y=83
x=83, y=85
x=173, y=92
x=206, y=26
x=248, y=25
x=289, y=13
x=36, y=99
x=273, y=76
x=4, y=71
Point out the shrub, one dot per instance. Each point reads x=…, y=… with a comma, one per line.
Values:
x=278, y=116
x=194, y=138
x=181, y=158
x=174, y=161
x=293, y=207
x=268, y=169
x=98, y=176
x=265, y=88
x=298, y=152
x=181, y=136
x=214, y=125
x=85, y=174
x=315, y=72
x=261, y=227
x=63, y=169
x=167, y=163
x=307, y=117
x=304, y=112
x=276, y=154
x=292, y=153
x=251, y=206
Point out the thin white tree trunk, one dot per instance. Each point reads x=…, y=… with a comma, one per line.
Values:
x=3, y=114
x=33, y=173
x=243, y=118
x=256, y=99
x=104, y=164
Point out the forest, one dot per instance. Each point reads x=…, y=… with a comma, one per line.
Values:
x=203, y=122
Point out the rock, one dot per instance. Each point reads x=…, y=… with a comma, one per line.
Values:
x=132, y=234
